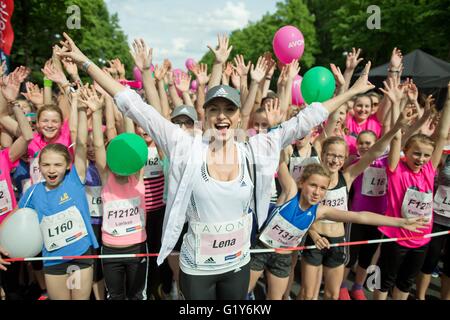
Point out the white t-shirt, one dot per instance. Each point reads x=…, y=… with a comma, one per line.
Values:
x=218, y=237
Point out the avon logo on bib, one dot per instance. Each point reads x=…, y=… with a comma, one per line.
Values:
x=220, y=243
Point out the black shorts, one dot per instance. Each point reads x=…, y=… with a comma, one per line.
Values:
x=68, y=267
x=276, y=263
x=330, y=258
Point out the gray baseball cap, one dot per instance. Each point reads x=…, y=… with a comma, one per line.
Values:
x=225, y=92
x=184, y=110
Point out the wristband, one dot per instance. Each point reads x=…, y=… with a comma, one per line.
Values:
x=86, y=65
x=268, y=78
x=48, y=83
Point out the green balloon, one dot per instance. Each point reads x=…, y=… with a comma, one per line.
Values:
x=126, y=154
x=318, y=85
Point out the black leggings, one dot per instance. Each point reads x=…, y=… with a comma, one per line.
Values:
x=434, y=252
x=400, y=265
x=126, y=278
x=363, y=253
x=232, y=285
x=157, y=275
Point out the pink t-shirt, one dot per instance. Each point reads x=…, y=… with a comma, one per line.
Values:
x=371, y=123
x=400, y=182
x=7, y=198
x=38, y=143
x=123, y=212
x=351, y=143
x=370, y=197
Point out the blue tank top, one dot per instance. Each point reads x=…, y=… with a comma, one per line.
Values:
x=71, y=192
x=92, y=176
x=287, y=224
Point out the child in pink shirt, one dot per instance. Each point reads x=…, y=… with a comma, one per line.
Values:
x=410, y=194
x=9, y=159
x=362, y=119
x=51, y=129
x=123, y=225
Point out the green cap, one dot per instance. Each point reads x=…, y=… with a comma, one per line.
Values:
x=126, y=154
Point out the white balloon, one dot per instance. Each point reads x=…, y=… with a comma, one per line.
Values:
x=20, y=234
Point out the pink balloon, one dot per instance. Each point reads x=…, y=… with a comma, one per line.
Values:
x=137, y=74
x=194, y=85
x=288, y=44
x=190, y=64
x=297, y=98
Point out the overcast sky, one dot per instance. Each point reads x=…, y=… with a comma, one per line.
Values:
x=181, y=29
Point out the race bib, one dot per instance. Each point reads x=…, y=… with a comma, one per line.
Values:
x=94, y=198
x=123, y=217
x=280, y=233
x=5, y=198
x=416, y=204
x=35, y=173
x=297, y=164
x=374, y=182
x=336, y=199
x=222, y=243
x=442, y=201
x=153, y=166
x=63, y=228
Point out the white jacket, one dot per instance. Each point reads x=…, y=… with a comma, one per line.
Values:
x=185, y=153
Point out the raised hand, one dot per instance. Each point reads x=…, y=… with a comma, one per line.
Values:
x=70, y=67
x=142, y=55
x=90, y=99
x=282, y=79
x=34, y=94
x=222, y=51
x=412, y=91
x=362, y=84
x=21, y=73
x=258, y=71
x=407, y=117
x=228, y=70
x=396, y=59
x=160, y=72
x=52, y=73
x=338, y=76
x=293, y=69
x=273, y=112
x=10, y=87
x=71, y=50
x=118, y=65
x=352, y=60
x=235, y=79
x=240, y=66
x=201, y=73
x=393, y=90
x=183, y=83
